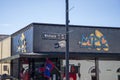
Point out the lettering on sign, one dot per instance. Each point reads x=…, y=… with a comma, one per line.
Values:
x=53, y=36
x=95, y=40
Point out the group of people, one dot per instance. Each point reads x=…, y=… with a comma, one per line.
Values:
x=25, y=75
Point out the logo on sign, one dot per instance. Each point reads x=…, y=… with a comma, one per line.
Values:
x=95, y=40
x=22, y=44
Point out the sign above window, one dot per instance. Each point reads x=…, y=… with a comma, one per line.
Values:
x=53, y=36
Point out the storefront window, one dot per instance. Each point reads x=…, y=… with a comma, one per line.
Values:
x=5, y=67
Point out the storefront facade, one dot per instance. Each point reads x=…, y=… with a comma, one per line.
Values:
x=89, y=46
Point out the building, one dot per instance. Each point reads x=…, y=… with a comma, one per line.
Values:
x=5, y=51
x=94, y=51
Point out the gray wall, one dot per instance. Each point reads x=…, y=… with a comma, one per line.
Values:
x=106, y=38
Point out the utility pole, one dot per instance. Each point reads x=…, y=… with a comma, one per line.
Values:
x=67, y=40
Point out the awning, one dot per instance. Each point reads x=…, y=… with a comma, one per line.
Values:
x=8, y=59
x=80, y=56
x=22, y=55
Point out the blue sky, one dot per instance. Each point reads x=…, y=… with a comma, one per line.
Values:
x=16, y=14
